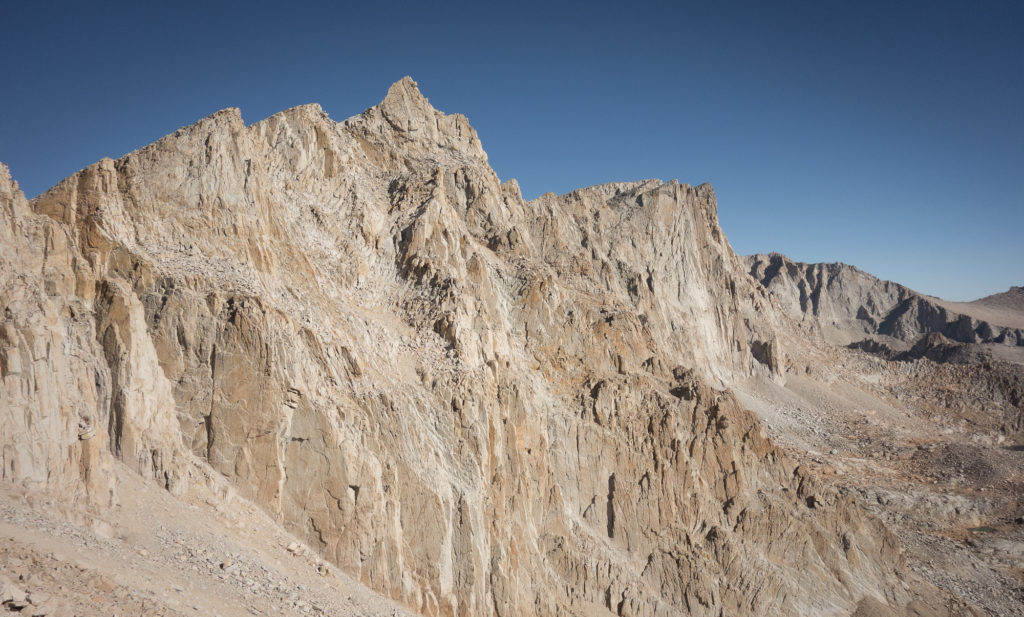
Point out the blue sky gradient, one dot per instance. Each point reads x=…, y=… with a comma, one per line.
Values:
x=888, y=137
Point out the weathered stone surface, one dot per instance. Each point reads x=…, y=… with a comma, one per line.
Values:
x=56, y=385
x=475, y=404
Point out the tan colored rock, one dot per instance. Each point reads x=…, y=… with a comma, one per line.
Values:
x=474, y=404
x=55, y=383
x=11, y=593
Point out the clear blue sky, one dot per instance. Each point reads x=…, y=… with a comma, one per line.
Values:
x=888, y=135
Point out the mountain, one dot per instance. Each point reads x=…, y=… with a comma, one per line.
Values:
x=469, y=403
x=1003, y=309
x=849, y=306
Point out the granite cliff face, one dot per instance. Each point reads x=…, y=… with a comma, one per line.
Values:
x=472, y=403
x=849, y=306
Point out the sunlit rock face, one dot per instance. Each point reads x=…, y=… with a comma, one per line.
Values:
x=475, y=404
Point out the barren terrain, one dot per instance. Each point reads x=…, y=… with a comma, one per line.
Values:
x=315, y=367
x=1004, y=309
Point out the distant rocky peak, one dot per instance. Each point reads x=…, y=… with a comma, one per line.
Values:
x=852, y=307
x=405, y=117
x=406, y=108
x=8, y=187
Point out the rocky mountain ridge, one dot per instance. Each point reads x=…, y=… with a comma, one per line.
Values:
x=849, y=306
x=1005, y=308
x=471, y=403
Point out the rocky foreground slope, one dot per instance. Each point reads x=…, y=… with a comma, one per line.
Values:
x=473, y=404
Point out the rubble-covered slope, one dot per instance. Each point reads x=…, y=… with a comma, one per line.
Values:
x=474, y=404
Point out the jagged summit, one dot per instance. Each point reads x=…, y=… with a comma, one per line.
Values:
x=8, y=186
x=405, y=104
x=403, y=116
x=611, y=189
x=849, y=306
x=472, y=404
x=312, y=111
x=779, y=260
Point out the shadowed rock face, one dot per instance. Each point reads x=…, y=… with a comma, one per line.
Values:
x=849, y=306
x=475, y=404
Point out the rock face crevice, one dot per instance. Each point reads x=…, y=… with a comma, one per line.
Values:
x=473, y=403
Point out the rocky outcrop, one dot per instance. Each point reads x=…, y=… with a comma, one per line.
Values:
x=80, y=377
x=475, y=404
x=848, y=306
